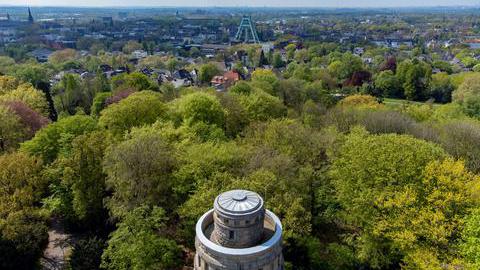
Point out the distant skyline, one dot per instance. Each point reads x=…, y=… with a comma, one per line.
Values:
x=234, y=3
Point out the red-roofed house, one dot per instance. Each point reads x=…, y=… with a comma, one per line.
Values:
x=223, y=82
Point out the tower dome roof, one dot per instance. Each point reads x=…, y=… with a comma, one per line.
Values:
x=238, y=202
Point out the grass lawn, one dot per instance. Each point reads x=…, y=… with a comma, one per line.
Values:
x=395, y=103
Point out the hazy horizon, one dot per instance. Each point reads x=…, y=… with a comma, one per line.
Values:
x=245, y=3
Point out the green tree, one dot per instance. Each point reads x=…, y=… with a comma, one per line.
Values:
x=131, y=46
x=344, y=67
x=444, y=66
x=6, y=63
x=35, y=99
x=22, y=182
x=458, y=139
x=302, y=72
x=415, y=77
x=405, y=203
x=277, y=61
x=266, y=80
x=32, y=73
x=136, y=110
x=69, y=94
x=23, y=230
x=140, y=81
x=431, y=220
x=301, y=56
x=99, y=103
x=101, y=83
x=360, y=102
x=153, y=61
x=84, y=179
x=468, y=95
x=264, y=75
x=12, y=132
x=8, y=83
x=139, y=172
x=241, y=87
x=236, y=117
x=200, y=107
x=387, y=84
x=87, y=254
x=318, y=93
x=290, y=48
x=136, y=81
x=169, y=92
x=470, y=246
x=140, y=242
x=172, y=64
x=441, y=88
x=292, y=92
x=56, y=138
x=23, y=236
x=207, y=71
x=62, y=56
x=261, y=106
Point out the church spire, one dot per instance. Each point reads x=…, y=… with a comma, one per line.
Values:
x=30, y=17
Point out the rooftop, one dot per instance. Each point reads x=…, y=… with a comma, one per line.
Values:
x=238, y=202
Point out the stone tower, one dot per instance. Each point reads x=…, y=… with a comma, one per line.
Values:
x=238, y=234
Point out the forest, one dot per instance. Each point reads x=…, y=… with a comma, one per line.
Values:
x=367, y=166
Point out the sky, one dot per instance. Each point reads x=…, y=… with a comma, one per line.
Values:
x=261, y=3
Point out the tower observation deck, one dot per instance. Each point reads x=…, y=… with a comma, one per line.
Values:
x=238, y=234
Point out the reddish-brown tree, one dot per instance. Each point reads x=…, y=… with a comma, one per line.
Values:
x=390, y=64
x=119, y=96
x=358, y=78
x=32, y=120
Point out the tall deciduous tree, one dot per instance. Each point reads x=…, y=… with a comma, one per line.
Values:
x=200, y=107
x=140, y=243
x=468, y=95
x=261, y=106
x=137, y=109
x=31, y=120
x=84, y=180
x=12, y=132
x=23, y=230
x=207, y=71
x=32, y=97
x=415, y=77
x=401, y=201
x=56, y=138
x=387, y=84
x=470, y=246
x=139, y=172
x=344, y=66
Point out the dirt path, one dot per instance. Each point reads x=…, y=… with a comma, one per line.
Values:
x=58, y=249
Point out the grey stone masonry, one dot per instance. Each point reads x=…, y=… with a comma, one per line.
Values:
x=238, y=234
x=238, y=219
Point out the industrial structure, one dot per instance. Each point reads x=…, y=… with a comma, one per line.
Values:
x=238, y=234
x=247, y=32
